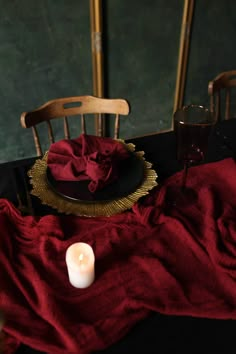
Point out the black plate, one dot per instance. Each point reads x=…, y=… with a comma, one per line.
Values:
x=130, y=177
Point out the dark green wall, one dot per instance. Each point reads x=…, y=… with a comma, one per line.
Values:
x=143, y=47
x=45, y=53
x=212, y=46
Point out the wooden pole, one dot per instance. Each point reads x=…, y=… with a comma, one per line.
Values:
x=183, y=53
x=97, y=55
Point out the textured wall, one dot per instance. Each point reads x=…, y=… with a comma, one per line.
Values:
x=143, y=47
x=45, y=53
x=212, y=46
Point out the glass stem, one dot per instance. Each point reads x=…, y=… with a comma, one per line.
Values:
x=184, y=178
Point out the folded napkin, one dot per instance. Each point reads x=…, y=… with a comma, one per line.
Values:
x=178, y=260
x=88, y=157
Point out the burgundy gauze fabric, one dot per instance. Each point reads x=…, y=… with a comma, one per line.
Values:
x=87, y=157
x=178, y=260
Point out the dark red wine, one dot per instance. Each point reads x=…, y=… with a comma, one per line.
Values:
x=192, y=141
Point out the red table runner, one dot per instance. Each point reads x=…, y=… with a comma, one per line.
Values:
x=177, y=260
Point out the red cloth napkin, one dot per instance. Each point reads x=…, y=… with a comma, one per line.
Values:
x=88, y=157
x=179, y=260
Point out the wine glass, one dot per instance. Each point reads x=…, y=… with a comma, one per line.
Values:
x=192, y=125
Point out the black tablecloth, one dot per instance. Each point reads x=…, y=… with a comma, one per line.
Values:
x=157, y=333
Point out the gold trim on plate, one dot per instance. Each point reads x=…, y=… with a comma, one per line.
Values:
x=42, y=190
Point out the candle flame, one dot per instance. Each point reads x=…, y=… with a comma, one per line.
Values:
x=81, y=257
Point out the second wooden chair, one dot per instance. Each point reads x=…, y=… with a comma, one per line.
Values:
x=220, y=92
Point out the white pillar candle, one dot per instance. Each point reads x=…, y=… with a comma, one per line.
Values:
x=80, y=264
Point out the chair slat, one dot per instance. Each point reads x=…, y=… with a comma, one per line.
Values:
x=212, y=103
x=83, y=124
x=37, y=142
x=227, y=104
x=218, y=106
x=100, y=124
x=66, y=128
x=78, y=106
x=117, y=126
x=50, y=132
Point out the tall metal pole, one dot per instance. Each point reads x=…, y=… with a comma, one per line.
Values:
x=183, y=53
x=97, y=54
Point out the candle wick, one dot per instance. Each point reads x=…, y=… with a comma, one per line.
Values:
x=81, y=257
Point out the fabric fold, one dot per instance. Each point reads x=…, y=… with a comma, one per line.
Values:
x=176, y=260
x=87, y=157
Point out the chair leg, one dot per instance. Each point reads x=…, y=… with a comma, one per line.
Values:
x=27, y=192
x=23, y=197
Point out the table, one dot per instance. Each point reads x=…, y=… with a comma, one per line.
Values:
x=157, y=333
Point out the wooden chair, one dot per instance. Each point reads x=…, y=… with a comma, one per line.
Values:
x=220, y=92
x=70, y=106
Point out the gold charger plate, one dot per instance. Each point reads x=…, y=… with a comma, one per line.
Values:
x=48, y=196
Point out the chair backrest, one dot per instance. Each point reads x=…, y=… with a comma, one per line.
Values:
x=70, y=106
x=220, y=91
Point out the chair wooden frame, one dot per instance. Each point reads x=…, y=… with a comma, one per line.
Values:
x=64, y=107
x=224, y=81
